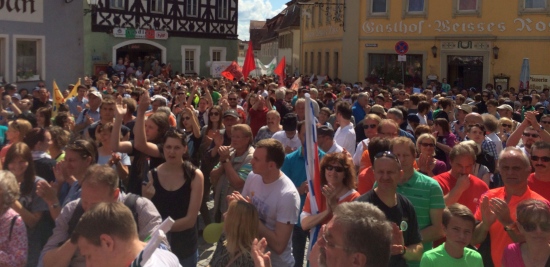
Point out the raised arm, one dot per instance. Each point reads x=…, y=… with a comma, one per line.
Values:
x=116, y=144
x=140, y=140
x=514, y=138
x=194, y=122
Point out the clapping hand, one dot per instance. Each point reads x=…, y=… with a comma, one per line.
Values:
x=257, y=251
x=47, y=191
x=398, y=243
x=121, y=108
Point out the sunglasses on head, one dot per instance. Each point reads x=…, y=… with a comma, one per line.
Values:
x=334, y=168
x=531, y=226
x=531, y=135
x=372, y=126
x=387, y=154
x=543, y=159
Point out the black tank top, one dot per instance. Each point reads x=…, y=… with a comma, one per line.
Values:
x=176, y=204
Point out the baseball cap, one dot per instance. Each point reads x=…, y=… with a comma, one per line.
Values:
x=324, y=130
x=159, y=97
x=231, y=112
x=16, y=96
x=95, y=93
x=378, y=109
x=526, y=98
x=290, y=122
x=505, y=106
x=466, y=108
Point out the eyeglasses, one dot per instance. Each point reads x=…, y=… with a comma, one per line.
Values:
x=543, y=159
x=214, y=114
x=427, y=144
x=387, y=154
x=531, y=135
x=232, y=98
x=545, y=122
x=531, y=226
x=334, y=168
x=330, y=244
x=507, y=125
x=372, y=126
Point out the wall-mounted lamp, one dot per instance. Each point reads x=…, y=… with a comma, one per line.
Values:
x=92, y=4
x=495, y=51
x=434, y=51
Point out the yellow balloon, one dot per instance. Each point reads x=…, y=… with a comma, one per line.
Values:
x=212, y=232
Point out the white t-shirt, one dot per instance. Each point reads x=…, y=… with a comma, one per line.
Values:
x=293, y=143
x=278, y=201
x=359, y=152
x=335, y=148
x=162, y=258
x=345, y=137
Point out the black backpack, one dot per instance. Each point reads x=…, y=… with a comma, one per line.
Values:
x=130, y=202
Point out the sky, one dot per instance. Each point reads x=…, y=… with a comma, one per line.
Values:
x=256, y=10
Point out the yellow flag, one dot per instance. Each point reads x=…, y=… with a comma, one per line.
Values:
x=57, y=99
x=74, y=91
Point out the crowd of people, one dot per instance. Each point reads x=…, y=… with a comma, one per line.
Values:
x=438, y=176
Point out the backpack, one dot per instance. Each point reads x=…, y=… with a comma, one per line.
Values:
x=130, y=202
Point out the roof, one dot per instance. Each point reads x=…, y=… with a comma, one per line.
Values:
x=291, y=18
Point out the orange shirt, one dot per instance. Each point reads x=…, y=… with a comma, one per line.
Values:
x=499, y=238
x=540, y=187
x=469, y=198
x=365, y=162
x=350, y=196
x=365, y=180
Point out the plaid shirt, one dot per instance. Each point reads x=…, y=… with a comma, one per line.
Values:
x=490, y=147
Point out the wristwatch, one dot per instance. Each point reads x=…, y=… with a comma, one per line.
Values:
x=55, y=205
x=404, y=251
x=510, y=227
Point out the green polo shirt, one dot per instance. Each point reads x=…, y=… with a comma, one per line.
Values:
x=425, y=194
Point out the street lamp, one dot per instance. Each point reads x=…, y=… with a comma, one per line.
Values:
x=434, y=51
x=495, y=51
x=92, y=4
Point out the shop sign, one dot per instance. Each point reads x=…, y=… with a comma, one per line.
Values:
x=539, y=82
x=132, y=33
x=449, y=26
x=331, y=30
x=22, y=10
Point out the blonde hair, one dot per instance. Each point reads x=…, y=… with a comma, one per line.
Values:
x=245, y=129
x=241, y=227
x=425, y=136
x=22, y=126
x=9, y=189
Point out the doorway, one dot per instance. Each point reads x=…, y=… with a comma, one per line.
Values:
x=465, y=71
x=138, y=51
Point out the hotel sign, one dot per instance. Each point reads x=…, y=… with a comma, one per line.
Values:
x=22, y=10
x=131, y=33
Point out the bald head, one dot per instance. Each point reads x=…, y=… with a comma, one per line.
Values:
x=514, y=153
x=473, y=118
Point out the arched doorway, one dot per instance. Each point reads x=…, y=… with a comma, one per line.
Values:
x=136, y=49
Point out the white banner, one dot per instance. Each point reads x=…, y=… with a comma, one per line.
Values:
x=539, y=82
x=23, y=11
x=217, y=67
x=262, y=69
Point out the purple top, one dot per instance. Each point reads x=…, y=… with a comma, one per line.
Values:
x=448, y=139
x=440, y=167
x=512, y=256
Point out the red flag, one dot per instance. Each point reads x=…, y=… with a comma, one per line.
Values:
x=249, y=64
x=233, y=71
x=280, y=71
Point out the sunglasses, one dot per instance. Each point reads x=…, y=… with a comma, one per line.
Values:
x=214, y=114
x=232, y=98
x=543, y=159
x=334, y=168
x=387, y=154
x=372, y=126
x=427, y=144
x=545, y=122
x=507, y=125
x=531, y=226
x=531, y=135
x=181, y=93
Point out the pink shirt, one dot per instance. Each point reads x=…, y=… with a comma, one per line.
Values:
x=13, y=252
x=512, y=256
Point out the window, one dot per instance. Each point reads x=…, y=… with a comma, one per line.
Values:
x=386, y=67
x=29, y=57
x=157, y=6
x=378, y=8
x=191, y=59
x=3, y=57
x=305, y=62
x=192, y=8
x=117, y=4
x=311, y=63
x=223, y=8
x=313, y=17
x=467, y=8
x=327, y=55
x=533, y=6
x=319, y=63
x=415, y=8
x=217, y=53
x=320, y=15
x=336, y=62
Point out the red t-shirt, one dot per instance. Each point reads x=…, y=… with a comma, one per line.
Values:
x=471, y=196
x=258, y=118
x=499, y=238
x=365, y=180
x=540, y=187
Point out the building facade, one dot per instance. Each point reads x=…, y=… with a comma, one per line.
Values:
x=188, y=34
x=36, y=44
x=468, y=42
